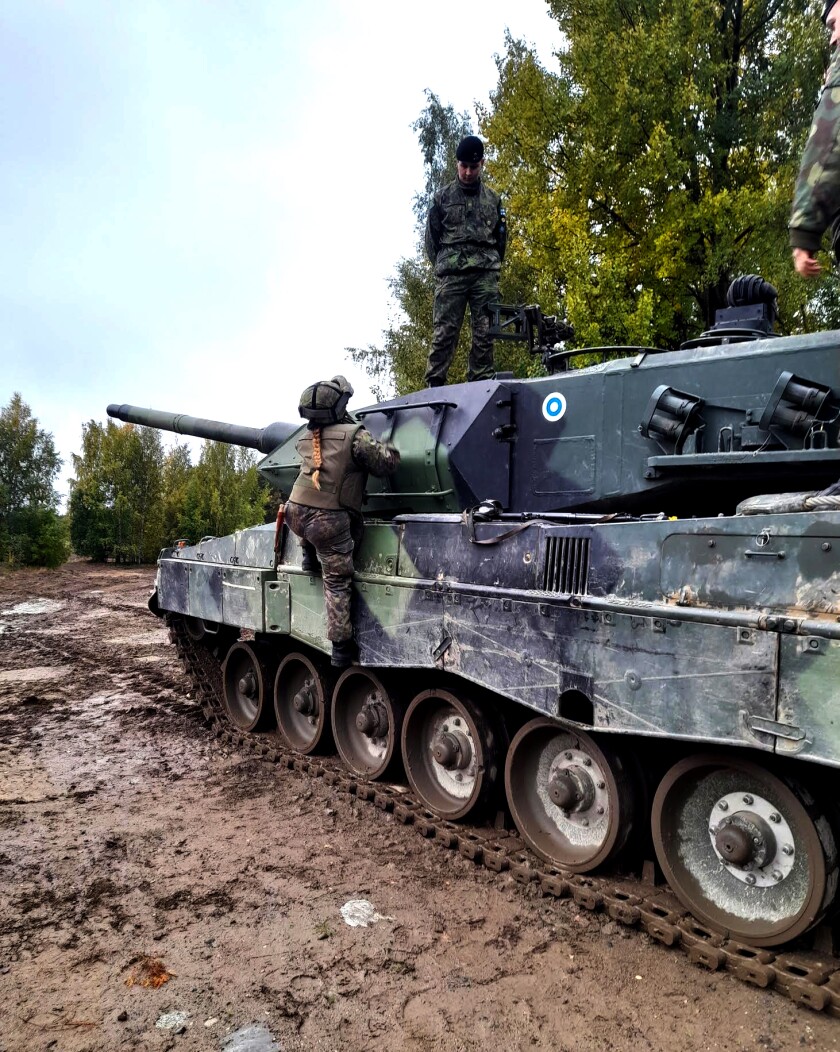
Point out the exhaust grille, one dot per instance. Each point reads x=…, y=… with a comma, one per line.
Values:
x=566, y=567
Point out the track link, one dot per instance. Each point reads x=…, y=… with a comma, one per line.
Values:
x=806, y=977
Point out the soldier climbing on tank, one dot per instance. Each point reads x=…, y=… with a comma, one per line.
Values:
x=466, y=237
x=324, y=507
x=816, y=199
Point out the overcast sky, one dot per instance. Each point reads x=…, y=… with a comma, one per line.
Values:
x=201, y=201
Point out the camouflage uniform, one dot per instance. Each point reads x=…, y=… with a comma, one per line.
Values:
x=329, y=519
x=816, y=199
x=464, y=241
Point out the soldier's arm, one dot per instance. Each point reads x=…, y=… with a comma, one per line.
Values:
x=376, y=457
x=816, y=199
x=433, y=229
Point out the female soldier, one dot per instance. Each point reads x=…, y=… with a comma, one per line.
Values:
x=325, y=505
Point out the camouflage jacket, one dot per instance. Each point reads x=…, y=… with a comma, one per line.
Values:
x=464, y=230
x=816, y=199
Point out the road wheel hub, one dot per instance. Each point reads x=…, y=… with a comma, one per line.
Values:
x=571, y=789
x=304, y=701
x=452, y=750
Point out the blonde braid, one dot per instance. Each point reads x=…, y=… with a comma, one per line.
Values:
x=316, y=456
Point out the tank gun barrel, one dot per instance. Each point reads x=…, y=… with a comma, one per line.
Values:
x=262, y=438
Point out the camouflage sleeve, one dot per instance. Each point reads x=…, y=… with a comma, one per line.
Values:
x=816, y=199
x=376, y=457
x=432, y=237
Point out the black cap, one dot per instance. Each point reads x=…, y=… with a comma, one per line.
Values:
x=470, y=150
x=827, y=6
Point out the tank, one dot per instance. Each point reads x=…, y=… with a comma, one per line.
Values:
x=605, y=600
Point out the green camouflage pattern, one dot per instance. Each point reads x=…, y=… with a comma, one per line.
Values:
x=463, y=242
x=816, y=198
x=377, y=458
x=452, y=294
x=463, y=230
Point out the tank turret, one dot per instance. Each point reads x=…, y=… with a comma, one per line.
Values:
x=692, y=431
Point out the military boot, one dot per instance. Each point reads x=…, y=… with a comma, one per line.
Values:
x=344, y=653
x=309, y=561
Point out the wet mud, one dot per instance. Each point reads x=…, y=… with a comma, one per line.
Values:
x=159, y=891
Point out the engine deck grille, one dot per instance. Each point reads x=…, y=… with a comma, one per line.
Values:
x=566, y=565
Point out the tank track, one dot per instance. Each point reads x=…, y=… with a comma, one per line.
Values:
x=806, y=977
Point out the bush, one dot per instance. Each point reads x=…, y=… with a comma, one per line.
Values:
x=35, y=536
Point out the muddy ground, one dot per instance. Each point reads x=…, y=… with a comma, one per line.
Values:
x=131, y=842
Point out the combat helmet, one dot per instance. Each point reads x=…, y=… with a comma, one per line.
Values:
x=325, y=402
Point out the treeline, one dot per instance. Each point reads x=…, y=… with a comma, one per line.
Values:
x=129, y=498
x=650, y=162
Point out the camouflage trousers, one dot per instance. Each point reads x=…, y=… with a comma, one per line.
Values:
x=333, y=535
x=453, y=292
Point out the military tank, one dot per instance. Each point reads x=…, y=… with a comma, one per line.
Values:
x=607, y=598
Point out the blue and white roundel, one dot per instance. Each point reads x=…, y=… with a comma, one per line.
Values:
x=554, y=406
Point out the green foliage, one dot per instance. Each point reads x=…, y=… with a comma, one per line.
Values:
x=130, y=498
x=31, y=532
x=224, y=492
x=658, y=162
x=37, y=536
x=177, y=470
x=115, y=503
x=652, y=164
x=28, y=460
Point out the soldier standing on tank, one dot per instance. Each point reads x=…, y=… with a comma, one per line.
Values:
x=466, y=237
x=324, y=507
x=816, y=199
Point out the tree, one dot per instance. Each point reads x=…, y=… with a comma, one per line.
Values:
x=658, y=163
x=38, y=536
x=28, y=460
x=177, y=469
x=31, y=532
x=90, y=528
x=224, y=492
x=115, y=504
x=130, y=499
